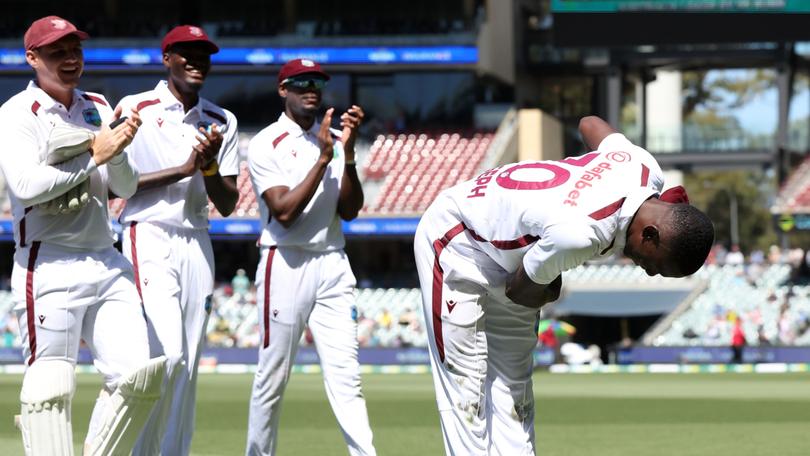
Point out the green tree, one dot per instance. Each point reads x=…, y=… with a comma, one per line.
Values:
x=712, y=191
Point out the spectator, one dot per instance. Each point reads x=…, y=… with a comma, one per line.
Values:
x=735, y=257
x=240, y=283
x=738, y=341
x=762, y=337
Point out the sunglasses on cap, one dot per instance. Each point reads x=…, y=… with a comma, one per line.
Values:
x=305, y=82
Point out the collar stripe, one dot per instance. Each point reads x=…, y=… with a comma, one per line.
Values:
x=94, y=99
x=147, y=103
x=280, y=138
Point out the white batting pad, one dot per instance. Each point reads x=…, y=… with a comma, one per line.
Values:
x=46, y=393
x=127, y=410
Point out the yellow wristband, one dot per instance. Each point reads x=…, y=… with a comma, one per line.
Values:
x=350, y=163
x=211, y=169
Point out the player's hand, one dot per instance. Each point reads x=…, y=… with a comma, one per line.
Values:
x=193, y=163
x=325, y=141
x=110, y=142
x=350, y=122
x=209, y=143
x=552, y=291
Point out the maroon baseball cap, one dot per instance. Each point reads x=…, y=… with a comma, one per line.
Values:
x=300, y=66
x=188, y=34
x=49, y=29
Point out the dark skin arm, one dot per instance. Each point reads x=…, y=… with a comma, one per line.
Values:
x=221, y=189
x=524, y=291
x=287, y=204
x=594, y=130
x=351, y=196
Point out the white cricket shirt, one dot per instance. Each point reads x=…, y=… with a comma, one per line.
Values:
x=551, y=215
x=165, y=140
x=281, y=155
x=27, y=120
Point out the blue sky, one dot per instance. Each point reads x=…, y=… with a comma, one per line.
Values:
x=760, y=114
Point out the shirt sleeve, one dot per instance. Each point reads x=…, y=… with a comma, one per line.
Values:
x=122, y=176
x=562, y=246
x=229, y=152
x=266, y=169
x=28, y=180
x=618, y=142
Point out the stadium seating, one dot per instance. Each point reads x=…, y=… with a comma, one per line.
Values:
x=795, y=193
x=413, y=168
x=392, y=317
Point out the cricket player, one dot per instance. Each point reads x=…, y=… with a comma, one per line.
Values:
x=490, y=252
x=307, y=180
x=187, y=153
x=68, y=282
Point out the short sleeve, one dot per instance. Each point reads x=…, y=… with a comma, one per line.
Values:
x=562, y=246
x=229, y=152
x=265, y=165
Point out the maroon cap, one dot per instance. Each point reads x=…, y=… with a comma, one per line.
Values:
x=300, y=66
x=188, y=34
x=48, y=30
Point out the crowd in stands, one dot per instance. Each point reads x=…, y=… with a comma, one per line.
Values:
x=767, y=293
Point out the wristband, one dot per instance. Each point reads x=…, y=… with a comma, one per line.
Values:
x=211, y=169
x=350, y=163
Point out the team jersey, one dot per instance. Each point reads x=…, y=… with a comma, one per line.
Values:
x=165, y=140
x=281, y=155
x=27, y=120
x=551, y=215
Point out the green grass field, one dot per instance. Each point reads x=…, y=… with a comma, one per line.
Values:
x=605, y=415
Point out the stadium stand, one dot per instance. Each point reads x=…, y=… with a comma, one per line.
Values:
x=774, y=311
x=413, y=169
x=795, y=192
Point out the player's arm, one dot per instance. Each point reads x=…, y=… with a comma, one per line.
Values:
x=351, y=196
x=221, y=189
x=562, y=246
x=524, y=291
x=123, y=175
x=33, y=182
x=171, y=175
x=287, y=204
x=594, y=130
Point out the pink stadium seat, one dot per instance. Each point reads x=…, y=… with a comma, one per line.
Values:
x=414, y=168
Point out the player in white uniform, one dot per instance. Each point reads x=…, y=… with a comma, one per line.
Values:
x=490, y=252
x=304, y=278
x=69, y=283
x=187, y=152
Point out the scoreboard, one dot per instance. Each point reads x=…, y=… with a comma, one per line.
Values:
x=643, y=22
x=705, y=6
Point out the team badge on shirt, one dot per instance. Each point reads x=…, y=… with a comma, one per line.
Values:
x=92, y=116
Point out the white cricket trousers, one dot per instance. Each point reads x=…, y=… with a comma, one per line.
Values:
x=174, y=268
x=64, y=295
x=296, y=288
x=480, y=346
